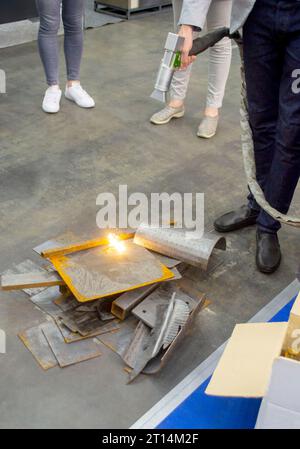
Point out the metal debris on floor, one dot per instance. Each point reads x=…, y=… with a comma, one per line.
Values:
x=126, y=291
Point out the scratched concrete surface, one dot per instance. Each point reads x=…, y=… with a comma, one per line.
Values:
x=51, y=170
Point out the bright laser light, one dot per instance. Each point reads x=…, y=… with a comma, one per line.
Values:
x=116, y=243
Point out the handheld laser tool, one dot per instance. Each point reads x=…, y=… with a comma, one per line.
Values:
x=172, y=57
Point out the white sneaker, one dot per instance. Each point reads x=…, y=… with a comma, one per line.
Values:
x=77, y=94
x=51, y=102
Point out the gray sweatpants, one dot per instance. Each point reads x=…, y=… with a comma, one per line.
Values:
x=72, y=15
x=219, y=56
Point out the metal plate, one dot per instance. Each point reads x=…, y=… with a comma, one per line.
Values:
x=167, y=261
x=87, y=324
x=66, y=303
x=139, y=352
x=70, y=336
x=45, y=301
x=119, y=341
x=123, y=305
x=178, y=244
x=35, y=341
x=69, y=354
x=70, y=242
x=102, y=271
x=27, y=267
x=146, y=310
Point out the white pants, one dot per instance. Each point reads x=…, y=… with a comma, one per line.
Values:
x=219, y=56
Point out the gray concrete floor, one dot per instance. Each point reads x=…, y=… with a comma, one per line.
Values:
x=51, y=170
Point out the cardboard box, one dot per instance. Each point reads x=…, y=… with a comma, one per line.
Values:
x=280, y=408
x=291, y=346
x=245, y=367
x=263, y=360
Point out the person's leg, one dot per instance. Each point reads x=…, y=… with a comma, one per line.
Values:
x=49, y=12
x=181, y=78
x=218, y=16
x=72, y=14
x=263, y=57
x=285, y=169
x=179, y=85
x=263, y=61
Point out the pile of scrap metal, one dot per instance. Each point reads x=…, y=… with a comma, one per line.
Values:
x=125, y=290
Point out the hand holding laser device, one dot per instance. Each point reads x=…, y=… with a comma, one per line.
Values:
x=172, y=59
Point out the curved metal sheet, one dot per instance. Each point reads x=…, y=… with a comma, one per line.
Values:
x=178, y=244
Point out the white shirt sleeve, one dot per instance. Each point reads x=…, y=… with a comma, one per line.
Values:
x=194, y=12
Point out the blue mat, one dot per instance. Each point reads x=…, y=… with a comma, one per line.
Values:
x=200, y=411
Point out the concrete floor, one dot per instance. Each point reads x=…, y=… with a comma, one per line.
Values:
x=51, y=170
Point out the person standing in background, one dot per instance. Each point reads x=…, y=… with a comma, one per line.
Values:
x=216, y=13
x=271, y=50
x=72, y=15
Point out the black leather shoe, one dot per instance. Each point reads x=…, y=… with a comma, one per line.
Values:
x=268, y=254
x=237, y=219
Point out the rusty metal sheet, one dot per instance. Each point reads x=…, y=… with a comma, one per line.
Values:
x=140, y=350
x=66, y=239
x=27, y=266
x=138, y=344
x=35, y=341
x=70, y=242
x=30, y=280
x=69, y=354
x=178, y=244
x=123, y=305
x=45, y=301
x=104, y=310
x=146, y=310
x=67, y=302
x=70, y=336
x=119, y=341
x=103, y=271
x=86, y=324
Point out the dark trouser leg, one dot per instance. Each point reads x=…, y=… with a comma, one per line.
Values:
x=72, y=18
x=285, y=170
x=263, y=62
x=272, y=54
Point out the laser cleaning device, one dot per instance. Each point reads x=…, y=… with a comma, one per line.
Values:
x=171, y=60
